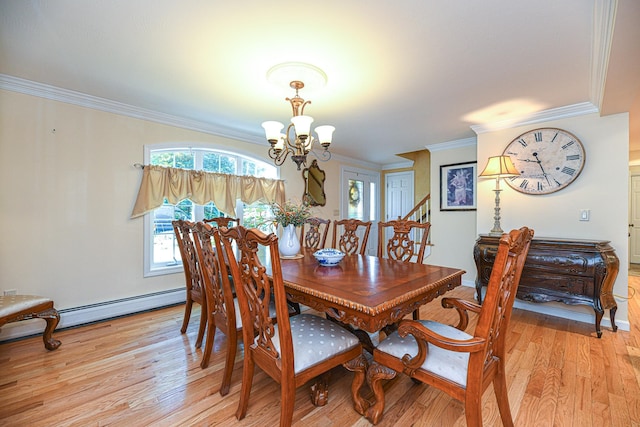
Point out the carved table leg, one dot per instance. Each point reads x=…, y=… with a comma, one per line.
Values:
x=612, y=316
x=320, y=390
x=599, y=314
x=359, y=367
x=375, y=374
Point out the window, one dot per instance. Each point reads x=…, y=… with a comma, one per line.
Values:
x=161, y=253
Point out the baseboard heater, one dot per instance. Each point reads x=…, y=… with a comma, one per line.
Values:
x=71, y=317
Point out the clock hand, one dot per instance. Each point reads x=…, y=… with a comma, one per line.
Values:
x=543, y=171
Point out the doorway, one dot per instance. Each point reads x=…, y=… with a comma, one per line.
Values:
x=361, y=200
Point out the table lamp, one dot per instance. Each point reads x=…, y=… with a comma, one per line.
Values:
x=498, y=167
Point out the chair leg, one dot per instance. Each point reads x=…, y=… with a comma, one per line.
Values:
x=473, y=409
x=208, y=344
x=287, y=400
x=203, y=324
x=375, y=374
x=247, y=380
x=502, y=396
x=52, y=317
x=187, y=314
x=232, y=347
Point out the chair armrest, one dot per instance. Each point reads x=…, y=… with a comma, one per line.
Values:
x=461, y=306
x=424, y=336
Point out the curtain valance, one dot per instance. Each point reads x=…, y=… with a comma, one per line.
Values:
x=174, y=184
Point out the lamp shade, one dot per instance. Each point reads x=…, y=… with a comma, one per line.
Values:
x=499, y=167
x=272, y=130
x=325, y=133
x=302, y=125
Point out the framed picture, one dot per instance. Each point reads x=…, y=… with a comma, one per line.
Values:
x=458, y=187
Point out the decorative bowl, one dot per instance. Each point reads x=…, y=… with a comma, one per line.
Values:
x=328, y=257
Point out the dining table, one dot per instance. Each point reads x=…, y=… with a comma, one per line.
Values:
x=364, y=293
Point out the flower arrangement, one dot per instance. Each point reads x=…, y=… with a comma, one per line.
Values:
x=290, y=213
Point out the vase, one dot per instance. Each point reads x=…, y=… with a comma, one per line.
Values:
x=288, y=244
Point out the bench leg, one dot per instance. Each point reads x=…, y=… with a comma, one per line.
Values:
x=52, y=318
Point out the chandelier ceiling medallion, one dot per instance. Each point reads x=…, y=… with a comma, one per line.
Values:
x=297, y=140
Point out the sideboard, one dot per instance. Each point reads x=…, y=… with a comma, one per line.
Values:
x=564, y=270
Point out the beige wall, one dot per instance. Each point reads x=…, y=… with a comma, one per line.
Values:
x=68, y=186
x=453, y=233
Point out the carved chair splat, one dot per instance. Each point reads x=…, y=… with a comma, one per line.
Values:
x=316, y=236
x=402, y=246
x=348, y=241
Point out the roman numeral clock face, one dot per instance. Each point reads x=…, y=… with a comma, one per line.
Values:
x=548, y=160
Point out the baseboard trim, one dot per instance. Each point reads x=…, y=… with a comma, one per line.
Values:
x=76, y=316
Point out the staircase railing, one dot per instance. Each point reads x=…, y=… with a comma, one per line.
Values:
x=421, y=213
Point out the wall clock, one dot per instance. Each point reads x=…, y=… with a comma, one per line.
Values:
x=548, y=159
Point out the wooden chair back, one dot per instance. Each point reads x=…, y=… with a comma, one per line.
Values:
x=460, y=364
x=223, y=221
x=348, y=240
x=316, y=236
x=221, y=311
x=193, y=277
x=268, y=342
x=402, y=246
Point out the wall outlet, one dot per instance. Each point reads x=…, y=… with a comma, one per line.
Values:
x=10, y=292
x=585, y=214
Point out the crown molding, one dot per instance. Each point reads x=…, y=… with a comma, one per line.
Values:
x=398, y=165
x=604, y=15
x=42, y=90
x=579, y=109
x=450, y=145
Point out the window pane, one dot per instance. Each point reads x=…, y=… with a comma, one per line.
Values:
x=258, y=215
x=228, y=165
x=184, y=160
x=211, y=162
x=210, y=211
x=356, y=204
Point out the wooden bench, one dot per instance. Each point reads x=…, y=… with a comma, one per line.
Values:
x=14, y=308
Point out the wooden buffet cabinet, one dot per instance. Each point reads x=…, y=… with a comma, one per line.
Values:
x=564, y=270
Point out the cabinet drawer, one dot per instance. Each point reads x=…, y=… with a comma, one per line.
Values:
x=566, y=263
x=571, y=285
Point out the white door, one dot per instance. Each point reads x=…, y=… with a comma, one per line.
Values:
x=634, y=221
x=360, y=199
x=399, y=194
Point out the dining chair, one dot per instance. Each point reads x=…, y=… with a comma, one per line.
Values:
x=402, y=245
x=222, y=221
x=349, y=242
x=460, y=364
x=222, y=308
x=193, y=279
x=316, y=237
x=291, y=350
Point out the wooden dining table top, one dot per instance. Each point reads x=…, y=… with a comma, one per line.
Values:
x=366, y=291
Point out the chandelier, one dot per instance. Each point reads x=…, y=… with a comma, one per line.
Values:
x=297, y=141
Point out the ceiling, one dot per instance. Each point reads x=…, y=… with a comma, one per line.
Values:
x=401, y=75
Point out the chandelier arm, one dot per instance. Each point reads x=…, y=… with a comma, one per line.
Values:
x=323, y=156
x=278, y=157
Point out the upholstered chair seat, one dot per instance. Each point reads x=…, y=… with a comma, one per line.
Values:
x=444, y=363
x=315, y=339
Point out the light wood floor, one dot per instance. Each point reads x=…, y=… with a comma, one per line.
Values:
x=139, y=371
